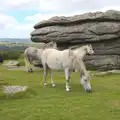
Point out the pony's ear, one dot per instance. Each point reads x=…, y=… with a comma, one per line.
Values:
x=90, y=45
x=85, y=48
x=44, y=46
x=70, y=52
x=54, y=44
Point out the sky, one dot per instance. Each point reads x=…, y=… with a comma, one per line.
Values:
x=17, y=17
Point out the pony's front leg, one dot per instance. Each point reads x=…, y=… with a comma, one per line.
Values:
x=52, y=81
x=45, y=74
x=67, y=76
x=80, y=79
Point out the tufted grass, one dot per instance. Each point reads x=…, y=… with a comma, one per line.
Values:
x=47, y=103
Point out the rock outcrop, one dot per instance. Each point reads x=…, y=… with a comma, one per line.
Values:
x=101, y=29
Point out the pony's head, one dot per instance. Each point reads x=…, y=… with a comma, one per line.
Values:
x=89, y=49
x=85, y=82
x=85, y=77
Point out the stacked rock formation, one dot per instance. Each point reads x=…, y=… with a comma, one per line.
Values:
x=100, y=29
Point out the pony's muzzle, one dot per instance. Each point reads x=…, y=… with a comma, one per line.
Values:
x=88, y=90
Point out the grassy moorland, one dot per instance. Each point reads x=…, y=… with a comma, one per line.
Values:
x=47, y=103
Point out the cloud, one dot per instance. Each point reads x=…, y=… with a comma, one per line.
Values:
x=109, y=8
x=10, y=27
x=70, y=7
x=40, y=17
x=45, y=9
x=6, y=21
x=58, y=6
x=6, y=5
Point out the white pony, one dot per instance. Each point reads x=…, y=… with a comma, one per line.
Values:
x=32, y=53
x=82, y=51
x=66, y=60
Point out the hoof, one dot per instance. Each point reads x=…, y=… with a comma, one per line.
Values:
x=68, y=90
x=53, y=85
x=45, y=84
x=30, y=71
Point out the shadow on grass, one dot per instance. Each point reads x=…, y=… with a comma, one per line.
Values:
x=77, y=88
x=60, y=87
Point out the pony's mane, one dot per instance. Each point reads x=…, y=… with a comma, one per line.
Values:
x=80, y=47
x=79, y=65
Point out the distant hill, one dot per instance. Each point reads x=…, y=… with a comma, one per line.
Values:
x=20, y=40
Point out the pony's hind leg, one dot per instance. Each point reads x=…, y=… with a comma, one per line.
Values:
x=27, y=66
x=30, y=65
x=52, y=81
x=67, y=76
x=31, y=68
x=27, y=62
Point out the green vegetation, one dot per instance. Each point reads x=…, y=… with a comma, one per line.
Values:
x=11, y=55
x=13, y=51
x=21, y=59
x=18, y=46
x=47, y=103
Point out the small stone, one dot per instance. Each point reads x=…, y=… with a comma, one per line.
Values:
x=10, y=90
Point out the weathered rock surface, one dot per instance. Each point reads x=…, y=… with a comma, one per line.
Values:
x=102, y=30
